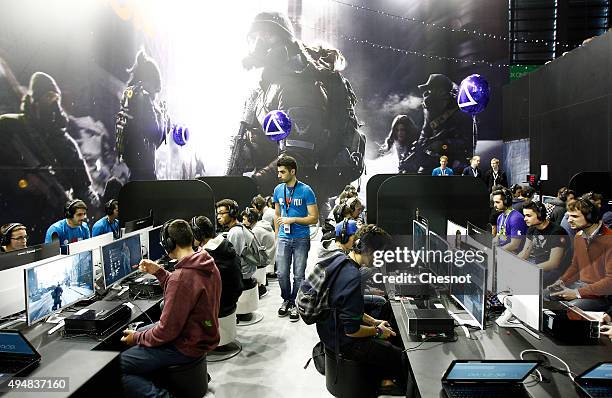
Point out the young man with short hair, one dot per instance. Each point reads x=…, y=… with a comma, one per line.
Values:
x=511, y=227
x=442, y=170
x=110, y=222
x=14, y=237
x=495, y=176
x=72, y=228
x=473, y=170
x=295, y=209
x=546, y=243
x=265, y=235
x=564, y=196
x=587, y=283
x=188, y=327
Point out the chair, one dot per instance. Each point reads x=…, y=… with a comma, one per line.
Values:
x=348, y=379
x=228, y=346
x=248, y=302
x=187, y=381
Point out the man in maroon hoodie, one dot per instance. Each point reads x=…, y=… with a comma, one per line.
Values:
x=189, y=324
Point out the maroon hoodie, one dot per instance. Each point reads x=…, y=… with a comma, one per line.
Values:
x=189, y=319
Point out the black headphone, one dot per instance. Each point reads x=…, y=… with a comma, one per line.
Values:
x=540, y=211
x=232, y=209
x=507, y=194
x=592, y=216
x=197, y=232
x=109, y=207
x=362, y=243
x=563, y=194
x=251, y=215
x=6, y=236
x=344, y=236
x=69, y=209
x=165, y=240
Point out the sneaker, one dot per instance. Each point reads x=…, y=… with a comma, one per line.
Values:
x=294, y=316
x=271, y=275
x=284, y=309
x=262, y=291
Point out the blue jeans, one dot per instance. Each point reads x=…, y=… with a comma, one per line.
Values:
x=587, y=304
x=138, y=363
x=295, y=249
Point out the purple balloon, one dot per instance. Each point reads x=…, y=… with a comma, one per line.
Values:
x=180, y=135
x=277, y=125
x=473, y=94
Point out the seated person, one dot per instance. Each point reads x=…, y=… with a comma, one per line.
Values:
x=226, y=260
x=110, y=222
x=72, y=228
x=587, y=282
x=525, y=197
x=511, y=227
x=14, y=237
x=188, y=327
x=351, y=209
x=442, y=170
x=264, y=232
x=559, y=204
x=546, y=243
x=360, y=337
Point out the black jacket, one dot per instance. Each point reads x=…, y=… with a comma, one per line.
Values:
x=502, y=179
x=228, y=263
x=558, y=211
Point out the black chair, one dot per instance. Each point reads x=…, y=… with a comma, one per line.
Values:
x=187, y=381
x=348, y=379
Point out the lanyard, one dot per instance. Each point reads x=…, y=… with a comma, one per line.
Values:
x=288, y=202
x=504, y=221
x=443, y=171
x=495, y=175
x=475, y=172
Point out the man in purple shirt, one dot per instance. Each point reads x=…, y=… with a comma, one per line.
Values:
x=511, y=227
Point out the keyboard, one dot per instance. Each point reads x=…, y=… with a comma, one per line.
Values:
x=599, y=392
x=485, y=391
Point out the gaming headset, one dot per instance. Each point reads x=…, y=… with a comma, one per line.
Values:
x=344, y=236
x=165, y=240
x=232, y=209
x=6, y=236
x=349, y=204
x=362, y=243
x=109, y=207
x=540, y=210
x=69, y=209
x=592, y=216
x=507, y=194
x=197, y=232
x=251, y=215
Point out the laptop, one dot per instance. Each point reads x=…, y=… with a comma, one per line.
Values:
x=487, y=378
x=596, y=382
x=17, y=355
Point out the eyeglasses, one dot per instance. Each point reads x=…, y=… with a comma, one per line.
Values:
x=20, y=238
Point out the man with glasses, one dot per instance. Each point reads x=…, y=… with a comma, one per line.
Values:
x=14, y=237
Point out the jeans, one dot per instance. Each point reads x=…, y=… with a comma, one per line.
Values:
x=587, y=304
x=138, y=363
x=288, y=249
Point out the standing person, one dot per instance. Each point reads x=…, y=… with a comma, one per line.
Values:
x=72, y=228
x=56, y=295
x=442, y=170
x=110, y=222
x=14, y=237
x=295, y=209
x=473, y=170
x=495, y=176
x=511, y=227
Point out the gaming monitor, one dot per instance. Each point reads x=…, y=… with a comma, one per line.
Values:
x=156, y=251
x=471, y=296
x=28, y=255
x=119, y=257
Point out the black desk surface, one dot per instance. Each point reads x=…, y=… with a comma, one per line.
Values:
x=431, y=359
x=66, y=356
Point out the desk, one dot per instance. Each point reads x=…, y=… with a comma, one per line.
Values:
x=431, y=359
x=88, y=362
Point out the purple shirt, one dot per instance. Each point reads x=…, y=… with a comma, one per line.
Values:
x=510, y=226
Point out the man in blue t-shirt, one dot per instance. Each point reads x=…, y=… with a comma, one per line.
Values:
x=110, y=222
x=442, y=170
x=71, y=229
x=295, y=209
x=511, y=226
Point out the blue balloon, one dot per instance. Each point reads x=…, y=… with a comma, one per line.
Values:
x=180, y=134
x=473, y=94
x=277, y=125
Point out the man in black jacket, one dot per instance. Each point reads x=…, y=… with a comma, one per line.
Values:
x=495, y=176
x=228, y=263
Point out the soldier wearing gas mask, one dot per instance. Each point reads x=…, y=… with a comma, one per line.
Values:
x=42, y=166
x=446, y=131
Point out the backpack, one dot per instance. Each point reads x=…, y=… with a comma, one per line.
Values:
x=312, y=299
x=254, y=254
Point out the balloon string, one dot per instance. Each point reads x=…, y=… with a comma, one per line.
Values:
x=474, y=134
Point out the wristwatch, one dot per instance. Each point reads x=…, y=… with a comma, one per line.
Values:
x=379, y=332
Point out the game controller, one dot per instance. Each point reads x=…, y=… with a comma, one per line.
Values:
x=134, y=325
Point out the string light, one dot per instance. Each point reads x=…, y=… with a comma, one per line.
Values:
x=471, y=32
x=372, y=44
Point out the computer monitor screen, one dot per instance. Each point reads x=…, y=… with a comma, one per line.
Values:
x=521, y=280
x=471, y=296
x=93, y=244
x=419, y=236
x=57, y=284
x=473, y=245
x=156, y=251
x=437, y=253
x=515, y=371
x=135, y=225
x=547, y=199
x=452, y=229
x=480, y=235
x=119, y=257
x=28, y=255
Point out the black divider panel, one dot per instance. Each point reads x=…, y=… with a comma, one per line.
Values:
x=167, y=199
x=592, y=181
x=460, y=199
x=241, y=189
x=372, y=195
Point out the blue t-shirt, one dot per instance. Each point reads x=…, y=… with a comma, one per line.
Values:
x=301, y=196
x=439, y=172
x=67, y=234
x=511, y=225
x=102, y=226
